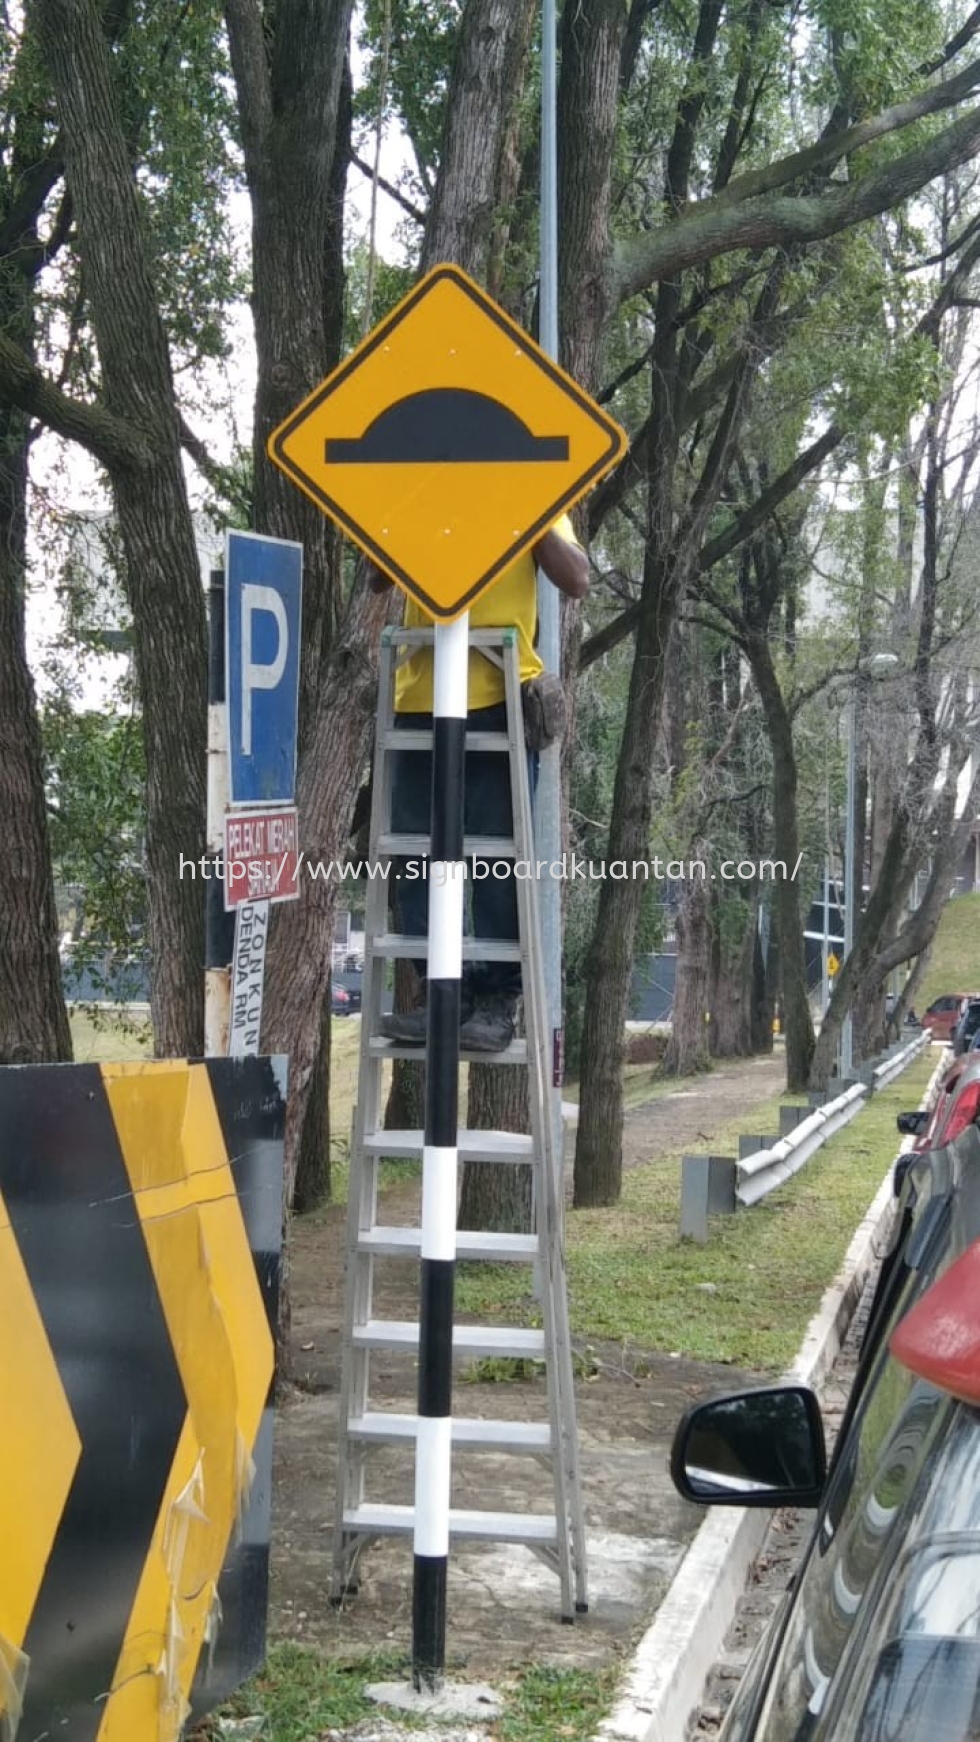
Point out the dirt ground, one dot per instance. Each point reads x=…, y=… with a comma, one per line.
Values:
x=503, y=1603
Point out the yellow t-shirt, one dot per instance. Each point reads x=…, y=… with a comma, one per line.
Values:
x=511, y=601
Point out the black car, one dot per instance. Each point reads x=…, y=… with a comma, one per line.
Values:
x=878, y=1637
x=967, y=1027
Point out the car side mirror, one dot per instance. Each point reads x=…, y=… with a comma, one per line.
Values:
x=912, y=1124
x=753, y=1448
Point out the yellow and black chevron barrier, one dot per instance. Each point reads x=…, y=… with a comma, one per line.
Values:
x=140, y=1239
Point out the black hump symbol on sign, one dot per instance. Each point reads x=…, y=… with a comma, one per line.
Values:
x=445, y=425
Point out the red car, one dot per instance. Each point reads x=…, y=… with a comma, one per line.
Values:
x=944, y=1013
x=957, y=1106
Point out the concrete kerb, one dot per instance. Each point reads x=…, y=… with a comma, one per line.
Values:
x=671, y=1664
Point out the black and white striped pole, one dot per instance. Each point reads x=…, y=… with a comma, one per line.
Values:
x=447, y=872
x=219, y=925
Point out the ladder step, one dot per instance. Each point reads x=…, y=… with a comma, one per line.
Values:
x=469, y=1434
x=515, y=1054
x=532, y=1527
x=470, y=1245
x=401, y=944
x=467, y=1339
x=419, y=846
x=512, y=1146
x=422, y=740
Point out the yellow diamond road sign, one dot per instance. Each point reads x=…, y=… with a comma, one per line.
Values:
x=447, y=443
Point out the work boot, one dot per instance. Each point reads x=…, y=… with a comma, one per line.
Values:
x=491, y=1026
x=407, y=1026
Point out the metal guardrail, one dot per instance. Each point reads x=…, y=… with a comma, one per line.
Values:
x=895, y=1065
x=757, y=1175
x=719, y=1184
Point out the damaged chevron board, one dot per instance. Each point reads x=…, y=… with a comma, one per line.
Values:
x=140, y=1234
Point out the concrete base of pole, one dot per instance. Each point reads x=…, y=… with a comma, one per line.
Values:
x=467, y=1700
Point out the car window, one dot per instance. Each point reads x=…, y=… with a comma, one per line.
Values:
x=894, y=1428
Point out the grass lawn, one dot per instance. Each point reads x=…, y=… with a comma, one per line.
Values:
x=954, y=965
x=304, y=1694
x=748, y=1294
x=103, y=1036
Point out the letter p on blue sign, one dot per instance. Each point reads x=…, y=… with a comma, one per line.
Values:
x=263, y=608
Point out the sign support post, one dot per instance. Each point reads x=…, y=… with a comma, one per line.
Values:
x=447, y=884
x=446, y=445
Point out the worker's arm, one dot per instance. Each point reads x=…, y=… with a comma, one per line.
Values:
x=565, y=564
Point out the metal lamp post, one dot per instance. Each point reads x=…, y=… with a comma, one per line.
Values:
x=851, y=884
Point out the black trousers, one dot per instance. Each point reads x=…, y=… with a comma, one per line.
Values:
x=492, y=902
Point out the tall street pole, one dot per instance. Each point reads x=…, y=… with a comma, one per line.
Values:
x=547, y=809
x=851, y=882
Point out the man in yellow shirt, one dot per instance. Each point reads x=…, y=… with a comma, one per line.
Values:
x=490, y=989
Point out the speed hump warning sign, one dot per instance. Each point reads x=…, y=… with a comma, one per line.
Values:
x=447, y=443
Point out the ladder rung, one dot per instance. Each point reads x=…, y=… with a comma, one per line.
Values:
x=471, y=1245
x=419, y=846
x=467, y=1339
x=391, y=943
x=378, y=1520
x=422, y=740
x=515, y=1054
x=472, y=1145
x=469, y=1434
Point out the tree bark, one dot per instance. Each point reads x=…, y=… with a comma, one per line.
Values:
x=732, y=993
x=599, y=1141
x=689, y=1048
x=33, y=1019
x=313, y=1167
x=797, y=1021
x=162, y=575
x=495, y=1197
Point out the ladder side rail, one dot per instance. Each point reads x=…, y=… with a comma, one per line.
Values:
x=544, y=1169
x=552, y=1230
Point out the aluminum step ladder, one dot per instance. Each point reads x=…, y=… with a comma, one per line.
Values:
x=557, y=1534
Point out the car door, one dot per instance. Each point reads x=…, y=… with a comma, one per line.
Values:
x=892, y=1422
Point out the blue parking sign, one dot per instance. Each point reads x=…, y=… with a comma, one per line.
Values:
x=263, y=606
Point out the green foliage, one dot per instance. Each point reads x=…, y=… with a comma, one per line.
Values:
x=174, y=76
x=422, y=42
x=96, y=795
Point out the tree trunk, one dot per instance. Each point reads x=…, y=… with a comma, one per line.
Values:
x=599, y=1140
x=732, y=995
x=493, y=1196
x=763, y=991
x=405, y=1109
x=162, y=575
x=313, y=1167
x=797, y=1021
x=33, y=1019
x=689, y=1050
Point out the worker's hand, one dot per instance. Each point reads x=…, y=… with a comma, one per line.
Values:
x=566, y=565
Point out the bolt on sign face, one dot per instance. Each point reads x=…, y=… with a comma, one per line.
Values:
x=447, y=443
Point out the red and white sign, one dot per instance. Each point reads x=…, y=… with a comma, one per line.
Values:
x=261, y=856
